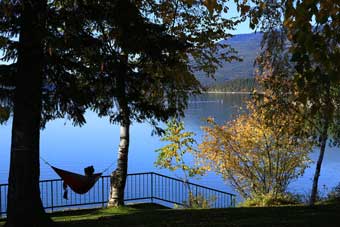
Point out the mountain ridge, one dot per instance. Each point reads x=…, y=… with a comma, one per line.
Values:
x=248, y=47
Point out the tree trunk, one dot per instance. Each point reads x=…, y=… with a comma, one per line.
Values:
x=24, y=203
x=323, y=143
x=118, y=177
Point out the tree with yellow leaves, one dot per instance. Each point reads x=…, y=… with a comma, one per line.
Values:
x=180, y=144
x=255, y=157
x=173, y=156
x=301, y=48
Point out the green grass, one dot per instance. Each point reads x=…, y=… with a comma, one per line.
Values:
x=320, y=215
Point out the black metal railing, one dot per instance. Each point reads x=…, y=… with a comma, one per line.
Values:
x=140, y=187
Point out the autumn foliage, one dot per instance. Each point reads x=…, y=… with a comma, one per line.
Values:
x=255, y=157
x=176, y=153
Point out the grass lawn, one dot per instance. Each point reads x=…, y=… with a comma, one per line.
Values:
x=149, y=215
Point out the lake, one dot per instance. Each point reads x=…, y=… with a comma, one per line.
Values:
x=96, y=143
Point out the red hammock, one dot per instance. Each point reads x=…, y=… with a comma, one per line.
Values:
x=78, y=183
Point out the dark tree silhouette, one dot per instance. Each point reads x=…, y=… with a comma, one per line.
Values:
x=141, y=77
x=44, y=80
x=147, y=66
x=23, y=192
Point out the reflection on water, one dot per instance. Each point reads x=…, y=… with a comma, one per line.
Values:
x=96, y=143
x=222, y=107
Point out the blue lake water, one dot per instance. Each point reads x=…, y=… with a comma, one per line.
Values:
x=96, y=143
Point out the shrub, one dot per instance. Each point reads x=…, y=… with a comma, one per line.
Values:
x=266, y=200
x=255, y=157
x=197, y=201
x=334, y=194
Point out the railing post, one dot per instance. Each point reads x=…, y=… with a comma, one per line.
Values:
x=151, y=187
x=103, y=202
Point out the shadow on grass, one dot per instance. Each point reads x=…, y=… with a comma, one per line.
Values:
x=154, y=215
x=323, y=215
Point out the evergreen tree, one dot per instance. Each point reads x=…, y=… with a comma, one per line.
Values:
x=143, y=77
x=153, y=75
x=45, y=44
x=23, y=192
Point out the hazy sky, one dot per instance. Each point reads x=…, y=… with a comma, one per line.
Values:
x=242, y=28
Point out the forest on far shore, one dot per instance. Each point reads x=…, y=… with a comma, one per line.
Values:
x=236, y=85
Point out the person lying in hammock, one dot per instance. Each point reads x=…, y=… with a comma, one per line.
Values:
x=89, y=172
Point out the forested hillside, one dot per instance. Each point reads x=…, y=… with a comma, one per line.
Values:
x=235, y=85
x=248, y=46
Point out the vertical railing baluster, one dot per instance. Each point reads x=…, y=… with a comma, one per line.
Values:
x=0, y=201
x=229, y=201
x=128, y=187
x=56, y=189
x=179, y=191
x=52, y=196
x=151, y=187
x=102, y=179
x=216, y=203
x=219, y=201
x=46, y=193
x=172, y=198
x=5, y=203
x=140, y=191
x=139, y=187
x=234, y=200
x=224, y=199
x=147, y=185
x=97, y=196
x=183, y=193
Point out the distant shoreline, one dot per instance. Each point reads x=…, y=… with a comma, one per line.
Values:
x=232, y=92
x=227, y=92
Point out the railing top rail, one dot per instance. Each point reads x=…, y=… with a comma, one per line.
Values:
x=141, y=173
x=49, y=180
x=212, y=189
x=197, y=185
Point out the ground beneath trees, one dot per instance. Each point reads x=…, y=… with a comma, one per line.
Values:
x=150, y=215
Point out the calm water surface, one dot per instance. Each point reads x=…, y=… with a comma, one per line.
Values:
x=96, y=143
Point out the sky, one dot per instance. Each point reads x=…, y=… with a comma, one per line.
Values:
x=242, y=28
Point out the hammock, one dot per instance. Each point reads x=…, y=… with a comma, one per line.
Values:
x=78, y=183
